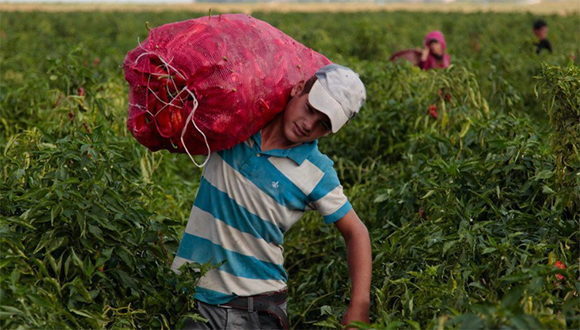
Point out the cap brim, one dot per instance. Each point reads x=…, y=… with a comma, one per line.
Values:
x=322, y=101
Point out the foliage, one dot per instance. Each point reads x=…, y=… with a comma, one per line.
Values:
x=562, y=102
x=80, y=246
x=470, y=195
x=79, y=250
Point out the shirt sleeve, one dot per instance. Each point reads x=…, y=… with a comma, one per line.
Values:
x=329, y=199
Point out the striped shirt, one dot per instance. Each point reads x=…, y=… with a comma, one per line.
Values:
x=247, y=200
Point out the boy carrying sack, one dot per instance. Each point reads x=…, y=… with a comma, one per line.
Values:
x=252, y=193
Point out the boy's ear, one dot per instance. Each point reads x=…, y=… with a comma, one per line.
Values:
x=297, y=89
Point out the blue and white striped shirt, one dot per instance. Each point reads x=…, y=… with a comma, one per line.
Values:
x=247, y=200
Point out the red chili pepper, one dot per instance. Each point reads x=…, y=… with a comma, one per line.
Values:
x=81, y=91
x=433, y=110
x=560, y=265
x=176, y=118
x=163, y=121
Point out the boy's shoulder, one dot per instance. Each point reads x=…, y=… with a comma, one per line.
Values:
x=320, y=159
x=305, y=158
x=305, y=153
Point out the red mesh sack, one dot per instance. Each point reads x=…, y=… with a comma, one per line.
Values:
x=209, y=83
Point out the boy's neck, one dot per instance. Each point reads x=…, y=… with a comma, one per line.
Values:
x=273, y=136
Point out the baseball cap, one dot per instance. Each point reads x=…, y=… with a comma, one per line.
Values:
x=338, y=93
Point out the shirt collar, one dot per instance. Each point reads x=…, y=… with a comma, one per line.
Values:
x=298, y=154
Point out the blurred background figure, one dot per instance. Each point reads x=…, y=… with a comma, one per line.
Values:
x=412, y=55
x=433, y=55
x=541, y=31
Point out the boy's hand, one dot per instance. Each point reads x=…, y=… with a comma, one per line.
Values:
x=356, y=313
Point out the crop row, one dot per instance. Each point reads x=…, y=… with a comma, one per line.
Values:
x=467, y=178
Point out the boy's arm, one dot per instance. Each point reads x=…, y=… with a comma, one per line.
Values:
x=358, y=254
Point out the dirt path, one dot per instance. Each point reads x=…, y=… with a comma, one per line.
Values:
x=565, y=7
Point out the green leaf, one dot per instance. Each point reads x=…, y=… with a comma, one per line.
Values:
x=326, y=324
x=489, y=250
x=429, y=193
x=448, y=245
x=325, y=310
x=547, y=190
x=512, y=298
x=96, y=232
x=80, y=287
x=525, y=322
x=128, y=281
x=544, y=174
x=40, y=301
x=81, y=313
x=76, y=259
x=381, y=198
x=413, y=324
x=9, y=310
x=472, y=322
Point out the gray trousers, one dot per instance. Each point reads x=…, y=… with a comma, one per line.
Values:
x=227, y=318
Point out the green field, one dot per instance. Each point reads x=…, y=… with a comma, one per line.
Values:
x=468, y=211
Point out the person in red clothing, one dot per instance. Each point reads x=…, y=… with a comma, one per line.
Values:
x=433, y=55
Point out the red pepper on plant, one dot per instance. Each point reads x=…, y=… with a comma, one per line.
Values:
x=560, y=265
x=433, y=110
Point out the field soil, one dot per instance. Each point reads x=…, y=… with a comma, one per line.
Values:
x=565, y=7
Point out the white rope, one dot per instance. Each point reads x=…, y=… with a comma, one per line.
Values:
x=190, y=118
x=140, y=107
x=191, y=115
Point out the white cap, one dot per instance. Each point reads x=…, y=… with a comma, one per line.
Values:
x=338, y=93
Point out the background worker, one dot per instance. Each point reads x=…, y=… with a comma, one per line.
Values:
x=433, y=55
x=252, y=193
x=541, y=32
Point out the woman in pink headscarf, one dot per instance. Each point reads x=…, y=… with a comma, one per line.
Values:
x=433, y=55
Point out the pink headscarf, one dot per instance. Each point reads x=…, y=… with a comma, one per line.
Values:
x=432, y=62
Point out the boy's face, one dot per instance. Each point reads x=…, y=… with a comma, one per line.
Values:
x=302, y=123
x=542, y=32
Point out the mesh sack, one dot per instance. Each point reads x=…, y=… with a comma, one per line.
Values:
x=209, y=83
